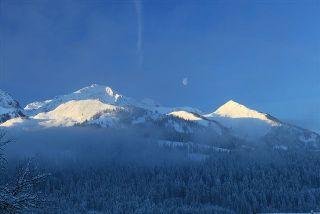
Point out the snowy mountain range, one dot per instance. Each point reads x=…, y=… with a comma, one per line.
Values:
x=231, y=126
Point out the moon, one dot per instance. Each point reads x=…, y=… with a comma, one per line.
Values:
x=185, y=81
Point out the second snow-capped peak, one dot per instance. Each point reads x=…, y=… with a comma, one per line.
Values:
x=233, y=109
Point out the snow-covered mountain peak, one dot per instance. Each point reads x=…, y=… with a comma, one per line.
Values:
x=235, y=110
x=96, y=89
x=232, y=108
x=98, y=92
x=6, y=101
x=231, y=103
x=244, y=122
x=9, y=108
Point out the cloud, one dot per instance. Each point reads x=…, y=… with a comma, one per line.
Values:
x=139, y=45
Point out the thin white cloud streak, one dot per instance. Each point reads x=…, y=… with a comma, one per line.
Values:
x=139, y=45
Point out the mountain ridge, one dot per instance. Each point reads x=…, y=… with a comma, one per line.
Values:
x=101, y=106
x=9, y=108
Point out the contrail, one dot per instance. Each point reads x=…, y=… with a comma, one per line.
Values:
x=138, y=8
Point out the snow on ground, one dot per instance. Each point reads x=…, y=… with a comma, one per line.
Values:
x=36, y=105
x=93, y=92
x=106, y=120
x=233, y=109
x=95, y=105
x=188, y=109
x=73, y=112
x=177, y=144
x=242, y=121
x=12, y=122
x=98, y=92
x=245, y=128
x=22, y=123
x=190, y=117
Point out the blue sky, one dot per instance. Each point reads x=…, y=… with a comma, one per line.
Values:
x=265, y=54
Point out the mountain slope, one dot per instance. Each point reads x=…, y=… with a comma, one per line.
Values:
x=233, y=109
x=75, y=112
x=93, y=92
x=9, y=108
x=231, y=125
x=255, y=126
x=100, y=106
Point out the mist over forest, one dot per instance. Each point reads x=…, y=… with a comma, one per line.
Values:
x=96, y=171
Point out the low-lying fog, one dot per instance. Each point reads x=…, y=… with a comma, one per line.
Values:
x=85, y=145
